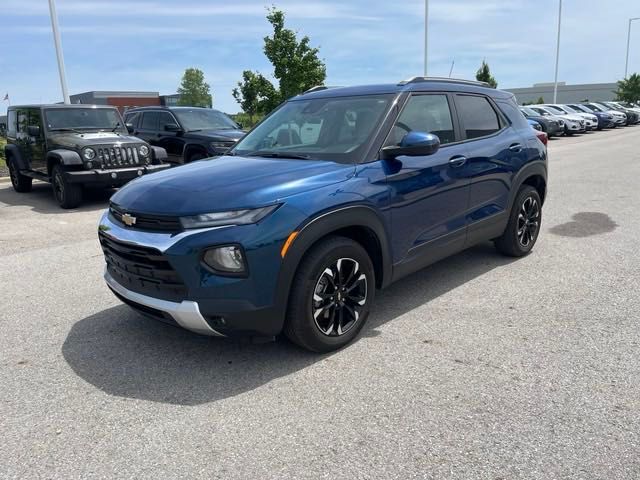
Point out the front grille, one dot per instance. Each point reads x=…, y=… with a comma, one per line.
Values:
x=143, y=221
x=142, y=269
x=119, y=156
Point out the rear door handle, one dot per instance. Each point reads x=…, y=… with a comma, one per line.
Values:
x=457, y=161
x=516, y=147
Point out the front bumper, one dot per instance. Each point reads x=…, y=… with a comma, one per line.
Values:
x=186, y=313
x=118, y=176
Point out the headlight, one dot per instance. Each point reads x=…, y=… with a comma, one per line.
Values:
x=231, y=217
x=227, y=259
x=89, y=153
x=144, y=150
x=220, y=145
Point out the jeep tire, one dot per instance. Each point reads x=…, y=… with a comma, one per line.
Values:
x=68, y=195
x=21, y=183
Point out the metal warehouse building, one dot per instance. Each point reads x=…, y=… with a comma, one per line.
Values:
x=566, y=93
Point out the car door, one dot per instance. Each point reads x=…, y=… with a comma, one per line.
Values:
x=147, y=128
x=496, y=149
x=429, y=194
x=171, y=141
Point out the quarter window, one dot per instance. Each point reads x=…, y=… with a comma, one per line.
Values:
x=478, y=116
x=424, y=113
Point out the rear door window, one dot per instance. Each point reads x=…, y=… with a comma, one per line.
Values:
x=149, y=121
x=478, y=116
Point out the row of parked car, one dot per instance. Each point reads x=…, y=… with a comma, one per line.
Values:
x=567, y=119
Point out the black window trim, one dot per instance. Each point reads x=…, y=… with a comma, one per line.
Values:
x=503, y=121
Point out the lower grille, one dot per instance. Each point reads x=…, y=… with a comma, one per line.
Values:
x=143, y=270
x=153, y=223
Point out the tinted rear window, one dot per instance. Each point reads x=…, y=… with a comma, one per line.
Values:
x=478, y=116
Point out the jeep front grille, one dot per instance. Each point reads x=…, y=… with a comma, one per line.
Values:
x=118, y=157
x=142, y=269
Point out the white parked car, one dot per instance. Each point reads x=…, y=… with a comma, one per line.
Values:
x=590, y=121
x=572, y=124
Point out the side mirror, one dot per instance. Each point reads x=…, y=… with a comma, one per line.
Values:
x=413, y=144
x=240, y=126
x=33, y=130
x=172, y=127
x=129, y=127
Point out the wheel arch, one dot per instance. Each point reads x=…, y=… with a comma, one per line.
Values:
x=62, y=157
x=359, y=223
x=191, y=148
x=13, y=152
x=534, y=174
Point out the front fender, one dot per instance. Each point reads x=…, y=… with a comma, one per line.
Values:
x=324, y=224
x=158, y=154
x=65, y=157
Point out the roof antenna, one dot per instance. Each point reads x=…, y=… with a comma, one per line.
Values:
x=451, y=69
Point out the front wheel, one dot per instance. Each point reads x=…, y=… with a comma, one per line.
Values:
x=331, y=295
x=524, y=224
x=68, y=195
x=21, y=183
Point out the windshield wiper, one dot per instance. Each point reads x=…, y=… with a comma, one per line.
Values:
x=271, y=154
x=116, y=127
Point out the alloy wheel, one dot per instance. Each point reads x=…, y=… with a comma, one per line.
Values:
x=528, y=222
x=58, y=187
x=339, y=297
x=13, y=173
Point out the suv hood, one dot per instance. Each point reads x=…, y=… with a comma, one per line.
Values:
x=79, y=140
x=217, y=134
x=227, y=183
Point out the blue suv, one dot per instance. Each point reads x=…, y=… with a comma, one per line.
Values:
x=337, y=193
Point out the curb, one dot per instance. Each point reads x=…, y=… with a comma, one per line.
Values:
x=5, y=180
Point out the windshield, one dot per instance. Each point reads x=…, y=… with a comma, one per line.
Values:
x=593, y=107
x=336, y=129
x=530, y=112
x=602, y=106
x=580, y=108
x=541, y=111
x=84, y=119
x=204, y=119
x=568, y=109
x=555, y=109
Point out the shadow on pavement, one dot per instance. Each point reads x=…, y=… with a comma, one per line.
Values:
x=41, y=199
x=127, y=355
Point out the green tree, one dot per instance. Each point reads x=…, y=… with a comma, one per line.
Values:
x=484, y=75
x=193, y=90
x=629, y=89
x=255, y=94
x=296, y=66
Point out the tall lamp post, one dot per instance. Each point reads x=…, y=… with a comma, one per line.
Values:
x=56, y=41
x=426, y=35
x=555, y=81
x=626, y=64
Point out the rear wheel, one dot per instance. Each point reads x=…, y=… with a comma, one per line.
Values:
x=524, y=224
x=21, y=183
x=331, y=295
x=68, y=195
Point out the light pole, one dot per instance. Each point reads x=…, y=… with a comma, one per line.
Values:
x=426, y=35
x=555, y=81
x=626, y=64
x=56, y=41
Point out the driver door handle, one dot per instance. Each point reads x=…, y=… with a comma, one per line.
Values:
x=457, y=161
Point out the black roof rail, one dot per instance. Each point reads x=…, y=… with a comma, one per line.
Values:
x=443, y=80
x=317, y=88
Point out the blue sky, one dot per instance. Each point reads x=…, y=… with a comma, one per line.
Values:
x=147, y=44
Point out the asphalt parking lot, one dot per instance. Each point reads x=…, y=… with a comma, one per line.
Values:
x=477, y=367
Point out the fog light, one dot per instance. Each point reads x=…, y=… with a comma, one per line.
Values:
x=228, y=259
x=114, y=175
x=139, y=173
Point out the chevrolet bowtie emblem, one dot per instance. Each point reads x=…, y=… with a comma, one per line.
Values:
x=128, y=220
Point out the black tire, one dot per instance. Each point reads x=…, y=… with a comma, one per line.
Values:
x=325, y=311
x=524, y=224
x=68, y=195
x=21, y=183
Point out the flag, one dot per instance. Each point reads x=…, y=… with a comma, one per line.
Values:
x=6, y=98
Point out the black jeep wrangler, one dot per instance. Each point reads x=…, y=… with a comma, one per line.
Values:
x=72, y=146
